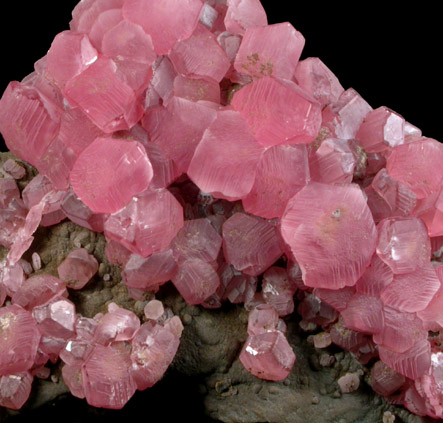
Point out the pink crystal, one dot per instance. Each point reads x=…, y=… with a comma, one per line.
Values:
x=196, y=89
x=344, y=117
x=123, y=168
x=117, y=254
x=107, y=20
x=322, y=340
x=363, y=313
x=150, y=272
x=403, y=244
x=77, y=268
x=14, y=169
x=167, y=21
x=430, y=210
x=19, y=338
x=240, y=289
x=433, y=311
x=196, y=280
x=107, y=381
x=69, y=55
x=278, y=290
x=382, y=128
x=377, y=275
x=345, y=338
x=329, y=221
x=147, y=224
x=263, y=318
x=349, y=382
x=72, y=376
x=384, y=380
x=313, y=76
x=278, y=111
x=250, y=244
x=28, y=122
x=268, y=356
x=105, y=98
x=15, y=390
x=196, y=240
x=242, y=14
x=270, y=50
x=312, y=309
x=423, y=175
x=154, y=310
x=8, y=192
x=200, y=56
x=282, y=171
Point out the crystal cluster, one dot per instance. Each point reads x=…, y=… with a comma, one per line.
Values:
x=210, y=155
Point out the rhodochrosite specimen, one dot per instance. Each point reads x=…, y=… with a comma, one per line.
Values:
x=192, y=135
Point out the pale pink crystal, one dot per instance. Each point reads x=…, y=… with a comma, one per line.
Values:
x=116, y=253
x=278, y=290
x=11, y=277
x=200, y=56
x=178, y=128
x=118, y=324
x=250, y=244
x=69, y=55
x=413, y=363
x=72, y=376
x=313, y=310
x=76, y=351
x=430, y=210
x=349, y=382
x=166, y=21
x=413, y=291
x=15, y=390
x=19, y=338
x=164, y=168
x=282, y=171
x=272, y=50
x=278, y=111
x=105, y=98
x=154, y=310
x=28, y=122
x=243, y=14
x=196, y=280
x=403, y=244
x=240, y=289
x=8, y=192
x=384, y=380
x=122, y=167
x=77, y=268
x=262, y=318
x=377, y=275
x=147, y=224
x=322, y=340
x=433, y=311
x=153, y=349
x=424, y=174
x=14, y=169
x=313, y=76
x=345, y=338
x=329, y=221
x=344, y=117
x=38, y=290
x=161, y=86
x=226, y=159
x=104, y=22
x=196, y=89
x=333, y=162
x=150, y=272
x=107, y=381
x=363, y=313
x=196, y=240
x=381, y=129
x=268, y=356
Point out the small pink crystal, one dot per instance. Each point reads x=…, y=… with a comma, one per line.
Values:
x=430, y=210
x=242, y=14
x=322, y=340
x=154, y=310
x=278, y=111
x=384, y=380
x=8, y=192
x=77, y=268
x=433, y=311
x=14, y=169
x=123, y=168
x=15, y=390
x=349, y=382
x=147, y=224
x=329, y=221
x=240, y=289
x=268, y=356
x=363, y=313
x=19, y=338
x=250, y=244
x=263, y=318
x=278, y=290
x=72, y=376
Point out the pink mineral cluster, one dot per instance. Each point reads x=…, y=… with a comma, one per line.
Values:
x=210, y=155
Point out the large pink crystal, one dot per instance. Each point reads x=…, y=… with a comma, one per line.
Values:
x=324, y=226
x=242, y=14
x=15, y=390
x=122, y=167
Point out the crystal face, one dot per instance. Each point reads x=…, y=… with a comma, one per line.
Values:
x=218, y=161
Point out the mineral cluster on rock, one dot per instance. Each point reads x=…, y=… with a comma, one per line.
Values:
x=211, y=157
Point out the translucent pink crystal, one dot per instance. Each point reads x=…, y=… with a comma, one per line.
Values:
x=28, y=122
x=196, y=89
x=200, y=56
x=166, y=21
x=147, y=224
x=77, y=268
x=154, y=310
x=278, y=111
x=423, y=175
x=103, y=96
x=19, y=338
x=363, y=313
x=72, y=376
x=322, y=340
x=433, y=311
x=107, y=381
x=430, y=210
x=15, y=390
x=14, y=169
x=313, y=76
x=349, y=382
x=272, y=50
x=196, y=280
x=242, y=14
x=123, y=167
x=282, y=171
x=107, y=20
x=240, y=289
x=250, y=244
x=8, y=192
x=268, y=356
x=377, y=275
x=345, y=338
x=329, y=220
x=69, y=55
x=150, y=272
x=278, y=290
x=263, y=318
x=384, y=380
x=226, y=159
x=403, y=244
